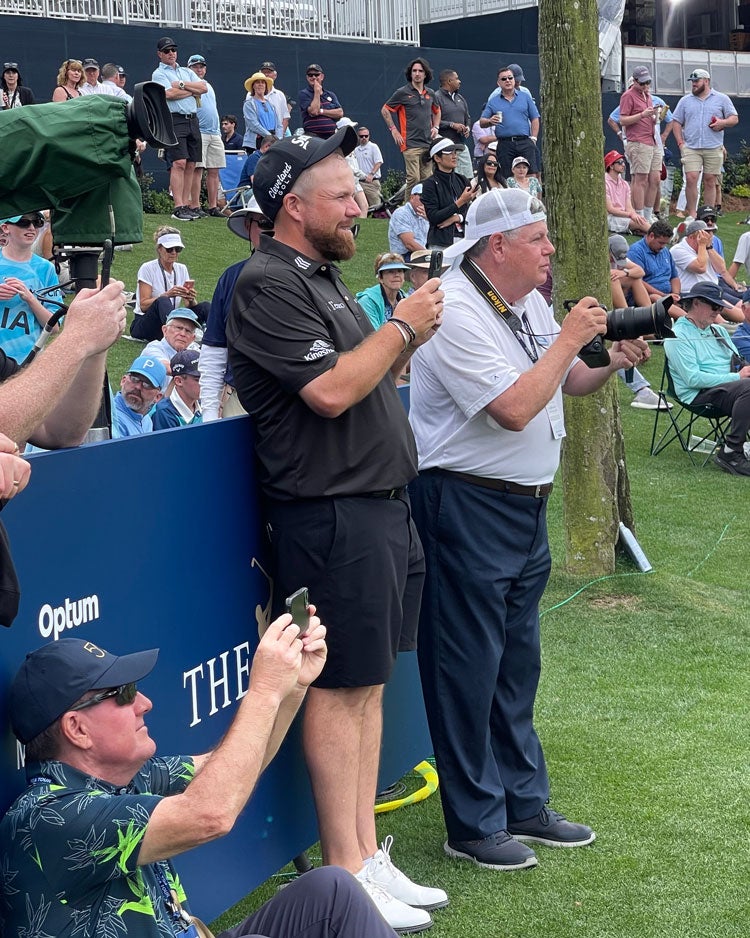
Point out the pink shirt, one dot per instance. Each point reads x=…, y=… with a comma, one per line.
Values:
x=633, y=102
x=617, y=191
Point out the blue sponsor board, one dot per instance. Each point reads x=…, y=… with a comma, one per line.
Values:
x=156, y=541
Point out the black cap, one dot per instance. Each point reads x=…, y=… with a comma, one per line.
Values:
x=121, y=70
x=185, y=363
x=269, y=65
x=709, y=291
x=54, y=676
x=313, y=68
x=279, y=168
x=165, y=43
x=705, y=211
x=90, y=63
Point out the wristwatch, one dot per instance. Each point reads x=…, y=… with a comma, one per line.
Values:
x=181, y=86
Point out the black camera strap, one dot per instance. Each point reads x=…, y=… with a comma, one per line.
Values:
x=516, y=325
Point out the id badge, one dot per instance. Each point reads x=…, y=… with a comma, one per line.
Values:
x=556, y=421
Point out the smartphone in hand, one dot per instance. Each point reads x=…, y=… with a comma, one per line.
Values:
x=297, y=605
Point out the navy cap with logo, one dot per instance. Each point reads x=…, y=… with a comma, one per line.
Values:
x=90, y=63
x=279, y=168
x=185, y=364
x=269, y=66
x=165, y=43
x=55, y=676
x=709, y=291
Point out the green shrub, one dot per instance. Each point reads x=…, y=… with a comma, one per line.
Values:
x=392, y=182
x=741, y=192
x=155, y=201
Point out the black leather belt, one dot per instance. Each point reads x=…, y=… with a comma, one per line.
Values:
x=385, y=493
x=499, y=485
x=516, y=137
x=187, y=117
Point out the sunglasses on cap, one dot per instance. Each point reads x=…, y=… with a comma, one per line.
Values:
x=124, y=694
x=36, y=222
x=10, y=67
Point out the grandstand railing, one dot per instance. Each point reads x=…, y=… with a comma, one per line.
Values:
x=436, y=11
x=382, y=21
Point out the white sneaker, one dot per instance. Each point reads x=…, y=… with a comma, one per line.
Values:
x=400, y=916
x=381, y=870
x=646, y=399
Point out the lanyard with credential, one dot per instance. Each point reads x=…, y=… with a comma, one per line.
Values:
x=182, y=923
x=511, y=319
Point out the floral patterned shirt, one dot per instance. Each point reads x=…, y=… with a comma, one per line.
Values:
x=69, y=854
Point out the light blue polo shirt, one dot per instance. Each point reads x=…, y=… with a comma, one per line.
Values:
x=165, y=75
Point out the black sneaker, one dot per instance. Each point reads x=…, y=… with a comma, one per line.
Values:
x=215, y=213
x=197, y=212
x=499, y=851
x=183, y=213
x=552, y=829
x=735, y=463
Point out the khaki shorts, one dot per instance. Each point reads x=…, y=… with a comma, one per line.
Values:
x=643, y=158
x=214, y=154
x=710, y=161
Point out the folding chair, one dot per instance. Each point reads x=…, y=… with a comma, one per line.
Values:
x=697, y=427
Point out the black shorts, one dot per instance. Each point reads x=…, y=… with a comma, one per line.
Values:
x=189, y=144
x=362, y=561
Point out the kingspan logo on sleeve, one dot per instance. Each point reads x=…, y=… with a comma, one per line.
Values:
x=319, y=349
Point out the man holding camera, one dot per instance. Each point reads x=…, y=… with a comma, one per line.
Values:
x=487, y=414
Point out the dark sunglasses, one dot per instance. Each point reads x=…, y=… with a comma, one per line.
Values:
x=645, y=82
x=363, y=136
x=715, y=307
x=124, y=694
x=490, y=163
x=170, y=49
x=29, y=222
x=508, y=78
x=172, y=250
x=313, y=74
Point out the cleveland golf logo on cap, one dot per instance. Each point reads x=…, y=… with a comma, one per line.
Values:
x=282, y=181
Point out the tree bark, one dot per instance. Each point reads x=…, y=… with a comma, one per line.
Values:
x=596, y=489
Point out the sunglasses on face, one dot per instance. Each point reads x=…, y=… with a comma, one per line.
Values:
x=170, y=49
x=29, y=222
x=172, y=250
x=313, y=74
x=140, y=381
x=490, y=163
x=508, y=78
x=642, y=83
x=124, y=694
x=363, y=136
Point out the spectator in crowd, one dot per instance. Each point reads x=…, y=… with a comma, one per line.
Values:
x=260, y=115
x=248, y=167
x=519, y=78
x=69, y=81
x=163, y=285
x=455, y=123
x=660, y=277
x=697, y=261
x=212, y=147
x=140, y=389
x=521, y=179
x=231, y=139
x=481, y=138
x=700, y=120
x=329, y=426
x=179, y=334
x=446, y=195
x=621, y=216
x=487, y=414
x=741, y=336
x=182, y=408
x=408, y=225
x=741, y=256
x=704, y=364
x=380, y=301
x=52, y=402
x=277, y=98
x=514, y=117
x=320, y=108
x=22, y=272
x=91, y=76
x=121, y=78
x=412, y=115
x=110, y=83
x=369, y=159
x=183, y=90
x=90, y=758
x=640, y=116
x=351, y=159
x=626, y=277
x=419, y=268
x=488, y=173
x=14, y=93
x=218, y=394
x=707, y=213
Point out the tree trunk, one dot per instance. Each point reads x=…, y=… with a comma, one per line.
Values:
x=596, y=490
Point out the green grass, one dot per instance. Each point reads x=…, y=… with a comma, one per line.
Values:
x=642, y=710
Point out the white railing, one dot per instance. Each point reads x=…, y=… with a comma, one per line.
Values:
x=730, y=71
x=394, y=22
x=437, y=11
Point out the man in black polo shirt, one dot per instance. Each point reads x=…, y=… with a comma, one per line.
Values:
x=335, y=453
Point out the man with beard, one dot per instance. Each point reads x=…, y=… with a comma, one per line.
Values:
x=700, y=120
x=140, y=389
x=335, y=454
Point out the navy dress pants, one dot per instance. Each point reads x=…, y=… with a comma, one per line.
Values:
x=488, y=562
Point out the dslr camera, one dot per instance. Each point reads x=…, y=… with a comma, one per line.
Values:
x=630, y=322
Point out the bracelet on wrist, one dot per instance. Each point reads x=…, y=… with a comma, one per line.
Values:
x=407, y=327
x=402, y=331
